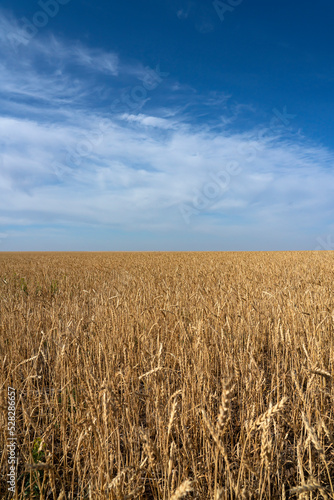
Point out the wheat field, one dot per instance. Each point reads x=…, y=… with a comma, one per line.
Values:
x=202, y=375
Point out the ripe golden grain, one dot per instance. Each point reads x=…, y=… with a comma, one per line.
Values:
x=182, y=490
x=117, y=361
x=311, y=485
x=262, y=421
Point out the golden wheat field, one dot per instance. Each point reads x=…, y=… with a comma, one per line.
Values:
x=168, y=375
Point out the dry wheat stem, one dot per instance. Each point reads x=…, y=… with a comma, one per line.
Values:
x=312, y=435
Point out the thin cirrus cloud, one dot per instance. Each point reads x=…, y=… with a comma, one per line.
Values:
x=48, y=70
x=84, y=165
x=13, y=38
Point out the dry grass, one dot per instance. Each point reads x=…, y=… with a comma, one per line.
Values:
x=169, y=375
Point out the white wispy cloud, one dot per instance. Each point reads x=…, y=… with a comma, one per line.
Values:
x=13, y=39
x=149, y=121
x=21, y=62
x=132, y=176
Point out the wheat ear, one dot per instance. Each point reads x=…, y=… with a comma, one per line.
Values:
x=182, y=490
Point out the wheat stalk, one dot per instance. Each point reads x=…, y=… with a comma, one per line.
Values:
x=312, y=435
x=322, y=373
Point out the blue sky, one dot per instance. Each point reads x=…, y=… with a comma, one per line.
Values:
x=166, y=125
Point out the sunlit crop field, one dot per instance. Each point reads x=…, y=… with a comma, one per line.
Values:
x=168, y=375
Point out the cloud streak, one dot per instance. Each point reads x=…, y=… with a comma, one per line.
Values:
x=138, y=172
